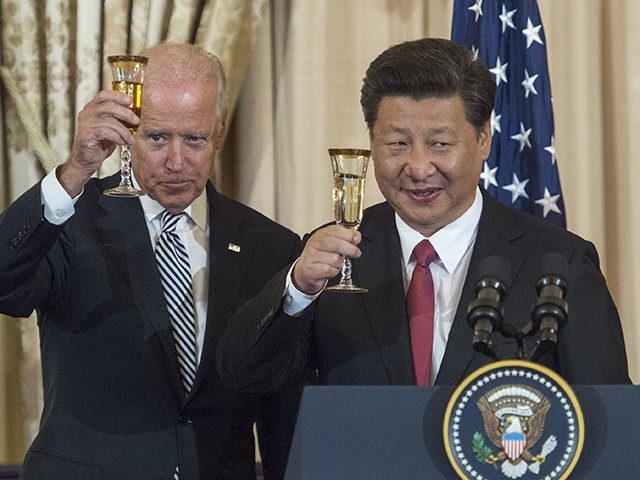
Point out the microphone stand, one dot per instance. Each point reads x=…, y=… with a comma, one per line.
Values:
x=485, y=313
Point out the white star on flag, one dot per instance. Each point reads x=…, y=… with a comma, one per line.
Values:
x=552, y=150
x=477, y=7
x=522, y=137
x=517, y=188
x=500, y=71
x=527, y=83
x=507, y=18
x=495, y=122
x=488, y=175
x=532, y=33
x=548, y=203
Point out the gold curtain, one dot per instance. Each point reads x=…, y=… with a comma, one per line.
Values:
x=52, y=63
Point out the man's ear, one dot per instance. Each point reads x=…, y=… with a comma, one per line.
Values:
x=485, y=139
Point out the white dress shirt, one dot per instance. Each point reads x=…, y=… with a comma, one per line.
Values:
x=453, y=244
x=193, y=230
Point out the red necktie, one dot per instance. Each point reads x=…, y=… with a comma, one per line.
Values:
x=420, y=307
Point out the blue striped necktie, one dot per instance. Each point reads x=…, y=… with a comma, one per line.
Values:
x=175, y=273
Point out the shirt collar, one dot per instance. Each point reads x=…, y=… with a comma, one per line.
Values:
x=450, y=242
x=197, y=211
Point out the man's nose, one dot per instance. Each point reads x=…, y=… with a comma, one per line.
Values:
x=420, y=164
x=175, y=157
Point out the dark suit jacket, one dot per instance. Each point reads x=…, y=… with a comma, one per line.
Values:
x=113, y=402
x=363, y=339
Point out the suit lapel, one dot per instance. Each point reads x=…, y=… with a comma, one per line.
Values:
x=496, y=231
x=125, y=237
x=380, y=270
x=230, y=253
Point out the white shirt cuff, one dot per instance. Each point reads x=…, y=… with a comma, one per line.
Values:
x=295, y=301
x=58, y=205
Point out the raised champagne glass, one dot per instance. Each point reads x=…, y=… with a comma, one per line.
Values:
x=128, y=75
x=349, y=172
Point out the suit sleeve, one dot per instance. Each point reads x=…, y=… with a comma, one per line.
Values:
x=263, y=349
x=26, y=239
x=591, y=347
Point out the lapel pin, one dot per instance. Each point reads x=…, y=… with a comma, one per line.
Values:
x=234, y=248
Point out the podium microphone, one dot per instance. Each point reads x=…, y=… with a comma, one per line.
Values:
x=550, y=310
x=484, y=314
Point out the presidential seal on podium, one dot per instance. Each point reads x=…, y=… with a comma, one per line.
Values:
x=513, y=419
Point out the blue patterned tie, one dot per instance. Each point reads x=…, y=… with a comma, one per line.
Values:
x=175, y=273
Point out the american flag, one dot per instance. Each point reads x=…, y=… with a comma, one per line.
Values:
x=521, y=170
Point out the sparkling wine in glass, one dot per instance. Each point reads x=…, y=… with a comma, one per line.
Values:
x=128, y=75
x=349, y=172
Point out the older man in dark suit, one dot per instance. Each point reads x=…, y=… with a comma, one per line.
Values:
x=132, y=296
x=427, y=104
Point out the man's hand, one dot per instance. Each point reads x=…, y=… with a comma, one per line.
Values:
x=321, y=258
x=99, y=130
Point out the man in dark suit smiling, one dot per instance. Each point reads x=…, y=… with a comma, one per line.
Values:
x=132, y=296
x=427, y=104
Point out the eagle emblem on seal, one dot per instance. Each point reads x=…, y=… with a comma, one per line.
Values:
x=514, y=418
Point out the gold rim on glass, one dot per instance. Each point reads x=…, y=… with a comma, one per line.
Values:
x=349, y=151
x=127, y=58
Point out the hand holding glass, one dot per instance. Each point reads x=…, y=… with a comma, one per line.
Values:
x=349, y=173
x=128, y=75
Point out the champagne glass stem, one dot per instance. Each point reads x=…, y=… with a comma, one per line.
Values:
x=346, y=271
x=125, y=167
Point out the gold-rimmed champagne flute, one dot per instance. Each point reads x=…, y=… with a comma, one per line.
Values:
x=127, y=72
x=349, y=173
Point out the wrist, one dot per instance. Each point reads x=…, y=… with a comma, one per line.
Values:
x=307, y=288
x=72, y=179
